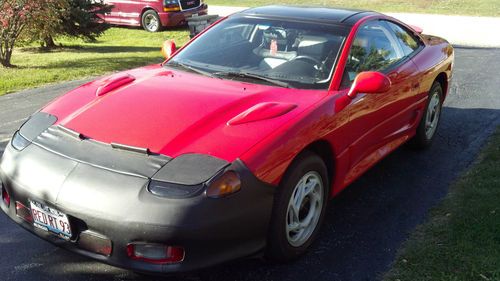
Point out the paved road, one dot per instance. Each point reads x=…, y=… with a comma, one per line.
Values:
x=364, y=226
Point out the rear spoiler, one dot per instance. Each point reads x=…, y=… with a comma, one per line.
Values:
x=417, y=29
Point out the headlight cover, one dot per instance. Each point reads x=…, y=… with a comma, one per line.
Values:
x=31, y=129
x=186, y=175
x=19, y=142
x=221, y=185
x=172, y=190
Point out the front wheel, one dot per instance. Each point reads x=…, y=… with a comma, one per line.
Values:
x=430, y=120
x=299, y=208
x=151, y=21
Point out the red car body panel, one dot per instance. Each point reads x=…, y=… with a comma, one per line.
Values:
x=266, y=127
x=362, y=131
x=196, y=110
x=129, y=12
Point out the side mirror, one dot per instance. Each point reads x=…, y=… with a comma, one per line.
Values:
x=168, y=49
x=369, y=82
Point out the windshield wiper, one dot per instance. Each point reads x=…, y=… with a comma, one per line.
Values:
x=188, y=67
x=253, y=76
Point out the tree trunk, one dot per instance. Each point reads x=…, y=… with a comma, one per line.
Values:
x=6, y=56
x=49, y=42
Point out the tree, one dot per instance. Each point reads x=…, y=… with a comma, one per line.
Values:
x=15, y=15
x=74, y=18
x=42, y=28
x=42, y=20
x=85, y=19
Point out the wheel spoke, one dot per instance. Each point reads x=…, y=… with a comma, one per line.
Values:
x=310, y=186
x=299, y=196
x=293, y=227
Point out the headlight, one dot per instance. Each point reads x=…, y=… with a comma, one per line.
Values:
x=225, y=185
x=19, y=142
x=171, y=6
x=222, y=186
x=172, y=190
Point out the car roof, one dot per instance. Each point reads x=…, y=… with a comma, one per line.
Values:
x=310, y=13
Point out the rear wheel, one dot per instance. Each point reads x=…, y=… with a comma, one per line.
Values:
x=430, y=120
x=151, y=21
x=299, y=208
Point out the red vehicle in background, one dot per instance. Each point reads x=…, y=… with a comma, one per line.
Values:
x=153, y=15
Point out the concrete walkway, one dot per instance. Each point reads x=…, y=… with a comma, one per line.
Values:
x=458, y=30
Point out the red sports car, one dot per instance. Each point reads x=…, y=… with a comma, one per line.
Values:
x=232, y=146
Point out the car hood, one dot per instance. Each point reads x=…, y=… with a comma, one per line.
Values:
x=174, y=112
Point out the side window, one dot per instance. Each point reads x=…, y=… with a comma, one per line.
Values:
x=408, y=42
x=374, y=49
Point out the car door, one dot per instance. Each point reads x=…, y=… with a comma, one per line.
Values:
x=114, y=16
x=379, y=122
x=130, y=11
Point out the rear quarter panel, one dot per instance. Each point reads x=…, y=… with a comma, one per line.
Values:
x=437, y=57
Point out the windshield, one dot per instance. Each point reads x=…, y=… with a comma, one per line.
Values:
x=283, y=53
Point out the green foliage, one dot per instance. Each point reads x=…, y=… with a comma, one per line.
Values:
x=117, y=49
x=15, y=15
x=85, y=19
x=461, y=239
x=49, y=22
x=74, y=18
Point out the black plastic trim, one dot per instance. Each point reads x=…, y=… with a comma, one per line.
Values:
x=190, y=169
x=36, y=124
x=130, y=148
x=88, y=151
x=72, y=133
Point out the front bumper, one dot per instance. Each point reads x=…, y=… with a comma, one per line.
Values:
x=118, y=206
x=180, y=18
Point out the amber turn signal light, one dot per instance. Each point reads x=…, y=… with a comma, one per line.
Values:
x=171, y=9
x=225, y=185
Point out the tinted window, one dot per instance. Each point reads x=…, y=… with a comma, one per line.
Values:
x=374, y=49
x=301, y=54
x=407, y=41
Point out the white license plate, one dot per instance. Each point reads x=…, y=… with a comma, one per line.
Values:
x=50, y=219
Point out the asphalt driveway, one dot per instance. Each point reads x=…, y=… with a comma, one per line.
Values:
x=365, y=225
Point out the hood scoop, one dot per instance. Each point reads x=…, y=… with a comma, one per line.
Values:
x=113, y=83
x=262, y=111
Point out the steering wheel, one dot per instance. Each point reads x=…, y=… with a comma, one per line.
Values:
x=309, y=58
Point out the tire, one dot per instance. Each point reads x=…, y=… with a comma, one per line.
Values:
x=284, y=245
x=151, y=21
x=425, y=134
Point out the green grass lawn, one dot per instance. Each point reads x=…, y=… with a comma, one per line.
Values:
x=461, y=240
x=451, y=7
x=117, y=49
